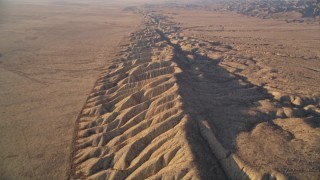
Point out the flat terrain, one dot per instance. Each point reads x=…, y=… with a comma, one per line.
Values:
x=288, y=48
x=156, y=91
x=50, y=58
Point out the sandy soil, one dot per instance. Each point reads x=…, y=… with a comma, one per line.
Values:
x=50, y=58
x=189, y=94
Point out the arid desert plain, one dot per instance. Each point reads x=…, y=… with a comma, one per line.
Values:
x=141, y=89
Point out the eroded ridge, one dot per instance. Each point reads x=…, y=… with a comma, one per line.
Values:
x=254, y=131
x=133, y=125
x=176, y=107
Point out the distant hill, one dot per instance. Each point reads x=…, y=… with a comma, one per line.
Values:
x=267, y=8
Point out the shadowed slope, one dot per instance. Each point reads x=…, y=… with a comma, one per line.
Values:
x=169, y=108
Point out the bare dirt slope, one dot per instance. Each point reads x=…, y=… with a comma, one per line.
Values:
x=176, y=104
x=134, y=125
x=190, y=94
x=277, y=128
x=50, y=55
